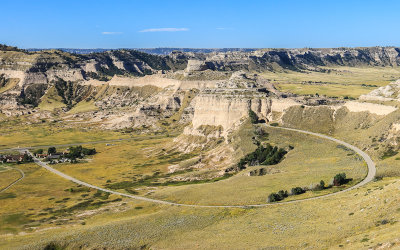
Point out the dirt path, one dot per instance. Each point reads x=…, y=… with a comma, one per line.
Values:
x=368, y=178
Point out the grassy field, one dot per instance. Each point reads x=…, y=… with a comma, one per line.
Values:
x=356, y=220
x=8, y=176
x=137, y=167
x=334, y=81
x=43, y=200
x=122, y=161
x=311, y=160
x=45, y=210
x=21, y=132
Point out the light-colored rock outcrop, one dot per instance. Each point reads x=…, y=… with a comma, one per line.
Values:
x=280, y=105
x=390, y=92
x=226, y=111
x=195, y=65
x=154, y=80
x=373, y=108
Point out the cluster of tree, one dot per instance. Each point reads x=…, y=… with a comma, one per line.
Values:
x=51, y=150
x=74, y=152
x=263, y=156
x=338, y=180
x=80, y=152
x=274, y=197
x=26, y=158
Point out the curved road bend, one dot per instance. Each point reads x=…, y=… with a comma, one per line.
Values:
x=15, y=182
x=370, y=177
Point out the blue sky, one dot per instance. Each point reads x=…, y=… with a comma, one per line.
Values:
x=199, y=24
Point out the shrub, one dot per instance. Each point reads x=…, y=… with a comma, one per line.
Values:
x=51, y=150
x=27, y=158
x=339, y=179
x=274, y=197
x=79, y=152
x=267, y=155
x=283, y=194
x=297, y=191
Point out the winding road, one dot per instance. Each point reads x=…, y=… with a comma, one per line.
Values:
x=370, y=176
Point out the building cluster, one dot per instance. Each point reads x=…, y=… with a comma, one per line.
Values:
x=11, y=158
x=54, y=158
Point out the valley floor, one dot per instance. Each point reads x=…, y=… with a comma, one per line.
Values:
x=60, y=213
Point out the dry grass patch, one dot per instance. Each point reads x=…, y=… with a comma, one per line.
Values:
x=334, y=81
x=8, y=176
x=312, y=159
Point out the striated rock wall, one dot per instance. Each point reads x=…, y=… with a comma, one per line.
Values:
x=227, y=111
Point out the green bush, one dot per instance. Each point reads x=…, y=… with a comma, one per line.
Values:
x=51, y=150
x=79, y=152
x=264, y=156
x=283, y=194
x=274, y=197
x=339, y=179
x=297, y=191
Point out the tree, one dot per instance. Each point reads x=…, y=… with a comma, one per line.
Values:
x=38, y=151
x=297, y=191
x=339, y=179
x=283, y=194
x=273, y=197
x=27, y=158
x=75, y=152
x=51, y=150
x=88, y=151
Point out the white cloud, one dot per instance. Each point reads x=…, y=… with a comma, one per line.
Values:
x=111, y=33
x=222, y=28
x=165, y=30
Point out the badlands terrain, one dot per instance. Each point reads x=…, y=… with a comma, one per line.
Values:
x=123, y=149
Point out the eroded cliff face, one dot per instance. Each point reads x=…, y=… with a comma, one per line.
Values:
x=114, y=87
x=270, y=59
x=42, y=69
x=228, y=111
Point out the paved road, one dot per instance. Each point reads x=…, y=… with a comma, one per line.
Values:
x=81, y=143
x=15, y=182
x=369, y=177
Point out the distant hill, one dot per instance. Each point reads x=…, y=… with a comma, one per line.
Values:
x=156, y=51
